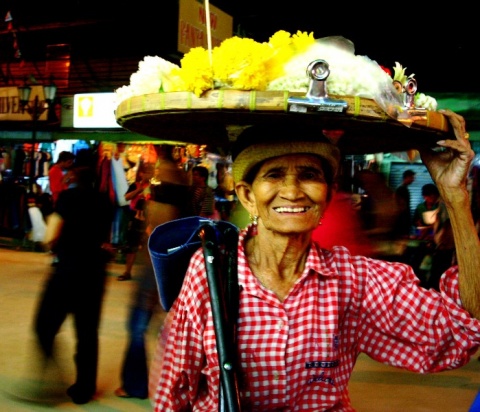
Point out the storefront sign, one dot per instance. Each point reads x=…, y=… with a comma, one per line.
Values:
x=10, y=108
x=192, y=25
x=95, y=110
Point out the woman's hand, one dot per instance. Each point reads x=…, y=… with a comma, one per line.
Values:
x=449, y=168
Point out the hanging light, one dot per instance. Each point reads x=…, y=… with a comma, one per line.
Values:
x=35, y=108
x=50, y=91
x=24, y=95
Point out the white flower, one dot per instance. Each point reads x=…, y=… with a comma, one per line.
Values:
x=149, y=77
x=350, y=74
x=425, y=102
x=121, y=94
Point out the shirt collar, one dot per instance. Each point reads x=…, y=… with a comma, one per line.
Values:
x=319, y=261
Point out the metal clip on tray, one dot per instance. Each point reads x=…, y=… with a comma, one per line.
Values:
x=316, y=99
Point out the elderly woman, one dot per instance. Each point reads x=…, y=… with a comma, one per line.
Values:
x=307, y=313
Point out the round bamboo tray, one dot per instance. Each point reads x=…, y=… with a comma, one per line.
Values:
x=218, y=116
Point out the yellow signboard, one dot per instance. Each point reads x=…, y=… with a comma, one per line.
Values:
x=192, y=25
x=10, y=108
x=94, y=110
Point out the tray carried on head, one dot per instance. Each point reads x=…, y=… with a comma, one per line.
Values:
x=218, y=116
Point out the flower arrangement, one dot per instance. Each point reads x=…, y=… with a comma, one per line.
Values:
x=421, y=100
x=279, y=64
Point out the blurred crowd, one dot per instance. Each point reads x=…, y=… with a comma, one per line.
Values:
x=166, y=182
x=368, y=215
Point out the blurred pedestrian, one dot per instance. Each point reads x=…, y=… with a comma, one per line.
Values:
x=225, y=191
x=137, y=194
x=342, y=225
x=444, y=254
x=424, y=218
x=170, y=190
x=145, y=302
x=76, y=232
x=379, y=214
x=203, y=198
x=57, y=180
x=56, y=174
x=424, y=214
x=403, y=227
x=169, y=199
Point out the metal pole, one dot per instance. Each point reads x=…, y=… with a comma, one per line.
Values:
x=229, y=399
x=34, y=113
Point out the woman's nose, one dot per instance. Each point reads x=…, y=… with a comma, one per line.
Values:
x=291, y=187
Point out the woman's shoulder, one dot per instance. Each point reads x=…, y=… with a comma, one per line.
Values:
x=341, y=259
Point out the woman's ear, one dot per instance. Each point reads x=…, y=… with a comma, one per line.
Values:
x=246, y=197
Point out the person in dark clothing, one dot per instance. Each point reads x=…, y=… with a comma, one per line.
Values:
x=77, y=231
x=403, y=225
x=423, y=219
x=444, y=254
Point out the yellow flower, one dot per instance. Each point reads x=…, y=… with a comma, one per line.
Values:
x=173, y=81
x=196, y=70
x=302, y=41
x=239, y=63
x=285, y=47
x=280, y=39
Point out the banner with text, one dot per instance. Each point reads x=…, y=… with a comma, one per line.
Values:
x=10, y=108
x=192, y=25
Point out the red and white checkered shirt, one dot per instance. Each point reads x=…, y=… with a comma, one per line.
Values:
x=298, y=355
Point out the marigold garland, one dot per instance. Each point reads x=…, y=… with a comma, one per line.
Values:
x=279, y=64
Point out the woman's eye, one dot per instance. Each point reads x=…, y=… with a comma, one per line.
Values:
x=274, y=175
x=312, y=175
x=307, y=174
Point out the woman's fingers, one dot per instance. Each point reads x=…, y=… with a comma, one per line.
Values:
x=458, y=124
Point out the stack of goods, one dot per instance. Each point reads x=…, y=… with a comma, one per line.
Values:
x=242, y=82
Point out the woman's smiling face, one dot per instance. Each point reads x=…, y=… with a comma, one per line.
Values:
x=289, y=193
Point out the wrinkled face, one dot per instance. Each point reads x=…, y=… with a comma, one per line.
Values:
x=289, y=193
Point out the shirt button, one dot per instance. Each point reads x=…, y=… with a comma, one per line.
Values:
x=276, y=376
x=280, y=325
